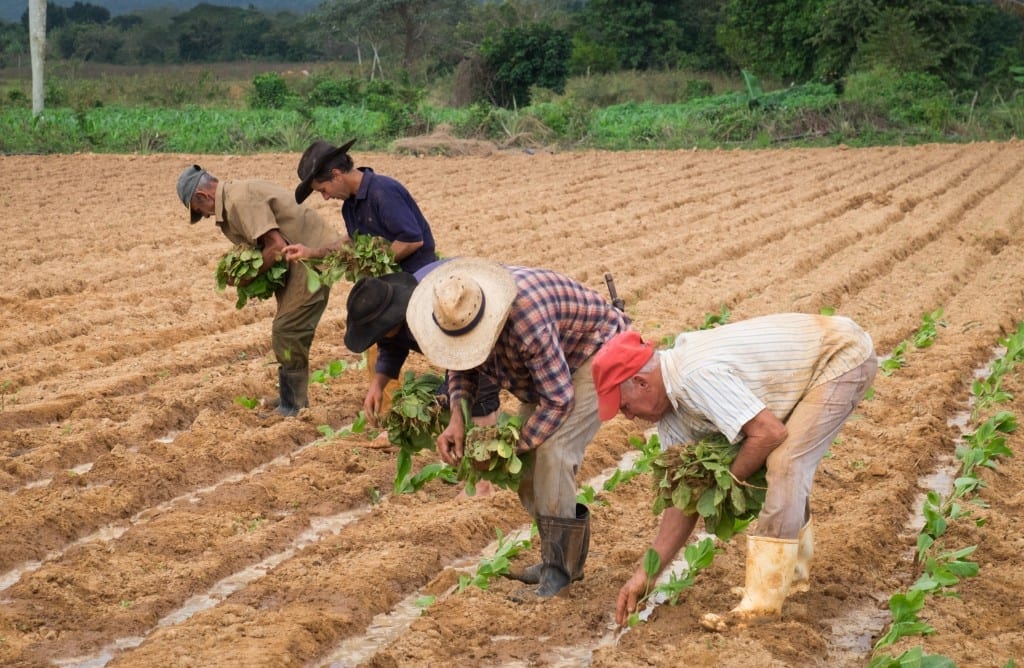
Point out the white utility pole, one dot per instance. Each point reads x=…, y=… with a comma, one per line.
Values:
x=37, y=50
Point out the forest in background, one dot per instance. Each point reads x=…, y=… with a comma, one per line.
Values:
x=598, y=73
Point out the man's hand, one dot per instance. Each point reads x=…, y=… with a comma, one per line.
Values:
x=451, y=441
x=372, y=403
x=295, y=252
x=629, y=596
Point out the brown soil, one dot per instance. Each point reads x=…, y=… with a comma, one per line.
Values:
x=132, y=481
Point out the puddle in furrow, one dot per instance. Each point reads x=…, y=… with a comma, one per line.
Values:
x=852, y=634
x=113, y=531
x=319, y=528
x=78, y=470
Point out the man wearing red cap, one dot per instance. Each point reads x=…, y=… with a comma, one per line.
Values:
x=782, y=385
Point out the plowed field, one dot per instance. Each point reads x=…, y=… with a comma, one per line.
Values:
x=148, y=519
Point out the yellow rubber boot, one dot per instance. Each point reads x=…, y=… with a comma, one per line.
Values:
x=804, y=554
x=771, y=565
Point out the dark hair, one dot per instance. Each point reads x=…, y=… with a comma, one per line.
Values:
x=342, y=163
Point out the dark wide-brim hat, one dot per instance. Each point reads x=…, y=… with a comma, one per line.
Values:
x=312, y=162
x=375, y=306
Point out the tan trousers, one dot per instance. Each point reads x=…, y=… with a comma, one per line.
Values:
x=548, y=486
x=812, y=426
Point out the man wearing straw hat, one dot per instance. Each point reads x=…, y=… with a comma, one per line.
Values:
x=532, y=332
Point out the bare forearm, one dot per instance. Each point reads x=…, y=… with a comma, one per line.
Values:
x=676, y=527
x=403, y=249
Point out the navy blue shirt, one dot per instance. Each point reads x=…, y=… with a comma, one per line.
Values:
x=383, y=207
x=394, y=350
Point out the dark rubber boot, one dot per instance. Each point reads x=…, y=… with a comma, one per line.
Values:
x=294, y=386
x=564, y=551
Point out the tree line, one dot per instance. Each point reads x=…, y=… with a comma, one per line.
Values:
x=497, y=50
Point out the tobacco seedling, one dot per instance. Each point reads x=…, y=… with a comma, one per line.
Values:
x=414, y=422
x=712, y=320
x=698, y=556
x=240, y=267
x=366, y=256
x=925, y=336
x=896, y=360
x=649, y=450
x=489, y=454
x=696, y=479
x=333, y=369
x=247, y=402
x=495, y=566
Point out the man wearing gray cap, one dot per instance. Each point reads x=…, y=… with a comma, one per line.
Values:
x=266, y=216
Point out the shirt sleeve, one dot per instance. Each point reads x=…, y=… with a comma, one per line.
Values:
x=722, y=399
x=462, y=385
x=397, y=217
x=250, y=214
x=552, y=378
x=391, y=355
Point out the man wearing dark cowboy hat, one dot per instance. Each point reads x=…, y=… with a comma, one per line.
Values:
x=376, y=315
x=372, y=204
x=534, y=333
x=266, y=216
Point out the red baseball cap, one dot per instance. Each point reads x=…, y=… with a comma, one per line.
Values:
x=616, y=362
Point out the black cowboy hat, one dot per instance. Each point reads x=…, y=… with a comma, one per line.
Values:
x=375, y=306
x=312, y=162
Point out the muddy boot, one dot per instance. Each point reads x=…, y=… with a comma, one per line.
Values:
x=564, y=551
x=771, y=565
x=531, y=574
x=294, y=386
x=804, y=554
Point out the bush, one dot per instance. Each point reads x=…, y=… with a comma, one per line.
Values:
x=269, y=91
x=911, y=98
x=334, y=92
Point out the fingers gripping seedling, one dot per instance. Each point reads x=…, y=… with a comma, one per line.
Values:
x=695, y=478
x=240, y=267
x=414, y=421
x=366, y=256
x=490, y=454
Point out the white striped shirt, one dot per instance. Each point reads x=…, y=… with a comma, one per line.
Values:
x=718, y=379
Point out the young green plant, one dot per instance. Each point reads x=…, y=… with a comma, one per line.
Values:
x=365, y=256
x=413, y=423
x=241, y=266
x=489, y=453
x=696, y=479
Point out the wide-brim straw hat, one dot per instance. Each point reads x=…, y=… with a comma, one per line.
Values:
x=457, y=311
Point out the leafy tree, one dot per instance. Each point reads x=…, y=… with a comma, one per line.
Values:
x=771, y=38
x=88, y=41
x=411, y=28
x=534, y=55
x=212, y=33
x=934, y=36
x=83, y=12
x=644, y=34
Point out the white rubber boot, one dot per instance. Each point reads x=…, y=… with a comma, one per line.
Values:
x=804, y=554
x=771, y=565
